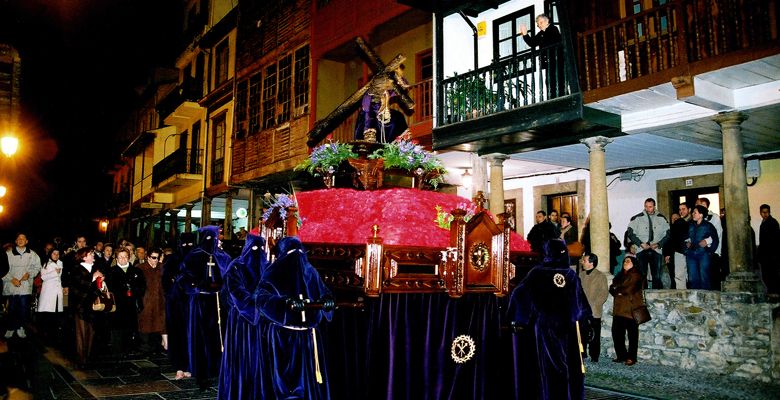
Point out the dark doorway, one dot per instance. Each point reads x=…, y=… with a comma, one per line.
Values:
x=564, y=203
x=676, y=197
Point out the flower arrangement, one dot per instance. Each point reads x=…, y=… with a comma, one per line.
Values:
x=444, y=218
x=279, y=203
x=406, y=154
x=325, y=158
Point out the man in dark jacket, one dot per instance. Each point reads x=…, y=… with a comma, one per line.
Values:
x=543, y=230
x=548, y=40
x=674, y=252
x=768, y=240
x=128, y=285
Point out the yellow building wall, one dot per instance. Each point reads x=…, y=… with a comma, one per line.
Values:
x=408, y=44
x=765, y=191
x=331, y=86
x=336, y=80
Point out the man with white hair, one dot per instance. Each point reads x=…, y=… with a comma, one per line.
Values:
x=23, y=265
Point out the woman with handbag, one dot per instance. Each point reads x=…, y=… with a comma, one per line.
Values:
x=626, y=288
x=83, y=291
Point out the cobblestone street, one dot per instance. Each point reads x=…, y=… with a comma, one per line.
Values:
x=51, y=376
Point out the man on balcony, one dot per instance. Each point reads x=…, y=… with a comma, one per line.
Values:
x=548, y=40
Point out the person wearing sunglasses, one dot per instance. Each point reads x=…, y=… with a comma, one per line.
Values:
x=151, y=318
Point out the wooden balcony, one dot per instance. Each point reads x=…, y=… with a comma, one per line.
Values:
x=681, y=38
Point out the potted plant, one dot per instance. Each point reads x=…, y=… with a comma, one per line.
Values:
x=325, y=160
x=405, y=154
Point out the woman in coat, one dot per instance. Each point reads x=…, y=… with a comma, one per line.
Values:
x=703, y=241
x=627, y=290
x=50, y=299
x=83, y=290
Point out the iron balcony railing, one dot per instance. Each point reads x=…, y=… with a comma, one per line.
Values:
x=518, y=81
x=180, y=161
x=191, y=89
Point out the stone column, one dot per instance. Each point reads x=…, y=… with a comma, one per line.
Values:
x=742, y=276
x=227, y=224
x=497, y=183
x=163, y=232
x=252, y=211
x=599, y=210
x=188, y=218
x=479, y=174
x=205, y=214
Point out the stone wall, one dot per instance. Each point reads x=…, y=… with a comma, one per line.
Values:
x=707, y=331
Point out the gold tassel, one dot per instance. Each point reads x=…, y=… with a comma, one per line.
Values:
x=579, y=342
x=317, y=372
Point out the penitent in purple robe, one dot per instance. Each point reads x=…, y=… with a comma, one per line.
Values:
x=293, y=366
x=547, y=304
x=201, y=280
x=177, y=304
x=240, y=375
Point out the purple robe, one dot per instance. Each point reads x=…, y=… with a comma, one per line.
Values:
x=368, y=119
x=292, y=343
x=177, y=304
x=239, y=377
x=548, y=303
x=202, y=284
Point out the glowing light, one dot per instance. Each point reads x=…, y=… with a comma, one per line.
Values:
x=9, y=145
x=3, y=190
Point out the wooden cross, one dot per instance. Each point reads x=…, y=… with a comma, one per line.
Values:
x=382, y=74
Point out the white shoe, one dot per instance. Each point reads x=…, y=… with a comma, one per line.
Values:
x=9, y=334
x=20, y=333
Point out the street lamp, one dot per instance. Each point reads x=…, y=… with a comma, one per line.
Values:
x=9, y=145
x=3, y=190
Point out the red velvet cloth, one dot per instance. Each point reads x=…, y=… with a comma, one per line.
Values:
x=405, y=217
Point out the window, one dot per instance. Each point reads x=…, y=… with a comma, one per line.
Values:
x=422, y=92
x=302, y=80
x=507, y=40
x=269, y=97
x=255, y=84
x=241, y=107
x=222, y=60
x=284, y=92
x=276, y=95
x=195, y=162
x=425, y=65
x=218, y=150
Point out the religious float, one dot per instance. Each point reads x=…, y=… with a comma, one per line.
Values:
x=422, y=277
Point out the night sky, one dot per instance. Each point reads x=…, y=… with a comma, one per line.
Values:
x=82, y=64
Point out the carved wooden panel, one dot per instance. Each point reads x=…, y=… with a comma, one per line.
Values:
x=412, y=270
x=336, y=264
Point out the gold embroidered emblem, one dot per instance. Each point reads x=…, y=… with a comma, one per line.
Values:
x=559, y=280
x=462, y=349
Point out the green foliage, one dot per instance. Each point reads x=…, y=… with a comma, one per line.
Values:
x=408, y=155
x=326, y=158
